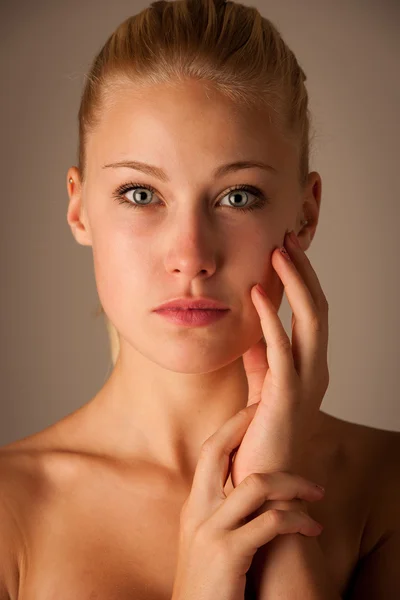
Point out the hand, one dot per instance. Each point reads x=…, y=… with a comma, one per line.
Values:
x=218, y=534
x=289, y=380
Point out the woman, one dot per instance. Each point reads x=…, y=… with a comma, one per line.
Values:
x=181, y=475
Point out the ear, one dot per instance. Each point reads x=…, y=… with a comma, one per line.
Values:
x=76, y=214
x=311, y=205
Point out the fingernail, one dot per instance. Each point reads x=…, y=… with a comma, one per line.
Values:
x=319, y=488
x=285, y=254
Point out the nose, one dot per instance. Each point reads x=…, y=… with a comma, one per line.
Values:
x=194, y=250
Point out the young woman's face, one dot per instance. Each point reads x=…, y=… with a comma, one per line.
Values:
x=190, y=235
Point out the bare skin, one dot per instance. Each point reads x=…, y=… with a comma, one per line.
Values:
x=93, y=501
x=89, y=525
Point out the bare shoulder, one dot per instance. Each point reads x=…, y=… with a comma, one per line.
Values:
x=361, y=442
x=30, y=470
x=376, y=450
x=373, y=459
x=34, y=468
x=384, y=487
x=18, y=488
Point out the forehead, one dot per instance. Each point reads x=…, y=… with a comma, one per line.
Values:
x=181, y=125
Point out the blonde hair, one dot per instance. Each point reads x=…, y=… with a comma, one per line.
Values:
x=223, y=43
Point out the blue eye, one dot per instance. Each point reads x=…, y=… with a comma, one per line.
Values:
x=120, y=192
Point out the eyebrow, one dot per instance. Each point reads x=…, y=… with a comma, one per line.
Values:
x=160, y=173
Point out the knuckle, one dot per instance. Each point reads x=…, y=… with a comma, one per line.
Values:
x=283, y=343
x=208, y=446
x=257, y=480
x=275, y=517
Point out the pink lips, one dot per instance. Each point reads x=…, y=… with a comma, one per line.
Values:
x=192, y=317
x=192, y=302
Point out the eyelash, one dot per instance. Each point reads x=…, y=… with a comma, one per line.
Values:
x=127, y=187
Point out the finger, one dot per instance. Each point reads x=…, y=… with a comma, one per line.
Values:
x=212, y=468
x=310, y=313
x=308, y=274
x=265, y=527
x=255, y=490
x=278, y=346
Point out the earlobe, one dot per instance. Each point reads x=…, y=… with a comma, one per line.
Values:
x=81, y=234
x=78, y=228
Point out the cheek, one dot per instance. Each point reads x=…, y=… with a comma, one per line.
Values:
x=120, y=270
x=252, y=258
x=256, y=266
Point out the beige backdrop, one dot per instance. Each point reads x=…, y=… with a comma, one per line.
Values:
x=55, y=353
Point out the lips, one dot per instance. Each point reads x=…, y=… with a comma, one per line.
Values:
x=191, y=303
x=192, y=317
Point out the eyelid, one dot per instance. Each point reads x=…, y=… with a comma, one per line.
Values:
x=253, y=189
